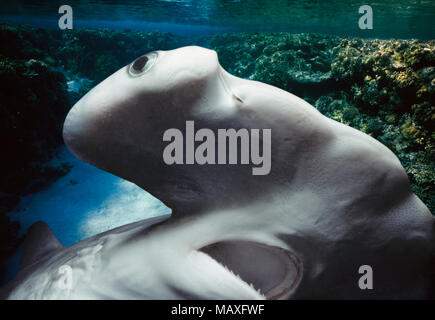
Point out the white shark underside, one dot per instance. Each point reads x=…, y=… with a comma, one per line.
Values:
x=334, y=200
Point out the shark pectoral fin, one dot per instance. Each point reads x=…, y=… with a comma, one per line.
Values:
x=39, y=242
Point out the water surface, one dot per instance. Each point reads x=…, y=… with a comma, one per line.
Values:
x=392, y=19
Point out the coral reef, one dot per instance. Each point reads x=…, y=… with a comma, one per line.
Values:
x=33, y=103
x=82, y=53
x=392, y=84
x=299, y=63
x=96, y=54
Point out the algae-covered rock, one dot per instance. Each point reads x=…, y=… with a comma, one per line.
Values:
x=296, y=63
x=33, y=104
x=95, y=54
x=82, y=52
x=395, y=82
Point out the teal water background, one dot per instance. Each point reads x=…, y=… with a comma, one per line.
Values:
x=392, y=19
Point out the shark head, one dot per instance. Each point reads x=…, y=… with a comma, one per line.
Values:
x=333, y=199
x=119, y=125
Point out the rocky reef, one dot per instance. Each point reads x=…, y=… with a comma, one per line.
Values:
x=298, y=63
x=392, y=86
x=96, y=54
x=385, y=88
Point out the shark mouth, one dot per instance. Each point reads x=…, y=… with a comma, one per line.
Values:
x=274, y=272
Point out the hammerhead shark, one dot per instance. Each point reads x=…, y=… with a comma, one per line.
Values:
x=334, y=200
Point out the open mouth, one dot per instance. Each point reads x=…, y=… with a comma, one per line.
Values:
x=274, y=272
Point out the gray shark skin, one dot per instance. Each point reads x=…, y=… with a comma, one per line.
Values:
x=335, y=199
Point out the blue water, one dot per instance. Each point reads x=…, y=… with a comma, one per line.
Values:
x=392, y=19
x=85, y=202
x=174, y=28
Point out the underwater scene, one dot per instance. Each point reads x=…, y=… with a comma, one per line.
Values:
x=375, y=75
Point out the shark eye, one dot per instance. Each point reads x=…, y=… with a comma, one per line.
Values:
x=142, y=64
